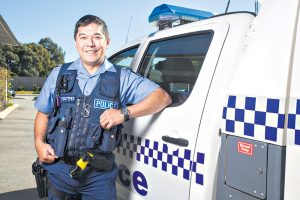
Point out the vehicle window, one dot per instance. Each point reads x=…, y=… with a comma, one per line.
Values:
x=124, y=58
x=175, y=63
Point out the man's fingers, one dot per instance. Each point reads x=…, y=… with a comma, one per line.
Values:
x=49, y=155
x=50, y=151
x=103, y=123
x=109, y=125
x=106, y=125
x=48, y=159
x=110, y=118
x=104, y=116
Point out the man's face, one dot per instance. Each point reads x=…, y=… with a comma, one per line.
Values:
x=91, y=44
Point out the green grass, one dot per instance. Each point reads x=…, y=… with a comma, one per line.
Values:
x=27, y=92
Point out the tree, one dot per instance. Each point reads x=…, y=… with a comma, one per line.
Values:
x=25, y=67
x=42, y=59
x=2, y=58
x=31, y=59
x=57, y=55
x=8, y=59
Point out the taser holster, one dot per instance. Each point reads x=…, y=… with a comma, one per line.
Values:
x=41, y=178
x=98, y=162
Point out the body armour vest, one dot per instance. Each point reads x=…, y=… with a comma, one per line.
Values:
x=74, y=125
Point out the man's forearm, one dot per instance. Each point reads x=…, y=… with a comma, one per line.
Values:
x=45, y=152
x=40, y=127
x=153, y=103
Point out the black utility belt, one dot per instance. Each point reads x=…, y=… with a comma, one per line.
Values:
x=98, y=162
x=70, y=160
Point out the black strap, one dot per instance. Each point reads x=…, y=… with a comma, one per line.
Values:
x=62, y=70
x=70, y=160
x=62, y=195
x=65, y=124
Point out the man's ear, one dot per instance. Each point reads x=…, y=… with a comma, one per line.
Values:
x=107, y=41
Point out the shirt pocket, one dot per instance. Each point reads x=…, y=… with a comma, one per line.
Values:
x=108, y=140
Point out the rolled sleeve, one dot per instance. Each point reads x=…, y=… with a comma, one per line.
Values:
x=134, y=88
x=45, y=100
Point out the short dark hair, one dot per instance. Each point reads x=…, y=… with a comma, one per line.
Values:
x=88, y=19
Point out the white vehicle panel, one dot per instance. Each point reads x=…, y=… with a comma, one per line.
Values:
x=248, y=87
x=208, y=140
x=292, y=173
x=257, y=96
x=176, y=163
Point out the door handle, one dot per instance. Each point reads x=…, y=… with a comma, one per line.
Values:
x=178, y=141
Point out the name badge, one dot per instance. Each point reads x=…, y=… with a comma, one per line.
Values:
x=103, y=104
x=67, y=99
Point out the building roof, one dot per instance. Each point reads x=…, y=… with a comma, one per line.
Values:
x=166, y=11
x=6, y=35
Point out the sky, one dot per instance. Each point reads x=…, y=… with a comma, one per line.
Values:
x=31, y=20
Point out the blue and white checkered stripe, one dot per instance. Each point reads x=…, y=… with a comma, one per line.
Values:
x=260, y=118
x=179, y=163
x=293, y=128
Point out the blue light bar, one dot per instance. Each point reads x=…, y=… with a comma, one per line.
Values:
x=169, y=12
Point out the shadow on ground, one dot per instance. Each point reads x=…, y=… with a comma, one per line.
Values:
x=28, y=194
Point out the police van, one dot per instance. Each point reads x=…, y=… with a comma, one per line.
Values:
x=233, y=129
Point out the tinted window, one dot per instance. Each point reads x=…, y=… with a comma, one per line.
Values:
x=124, y=58
x=175, y=64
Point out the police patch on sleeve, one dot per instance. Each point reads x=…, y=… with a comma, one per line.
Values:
x=103, y=104
x=67, y=99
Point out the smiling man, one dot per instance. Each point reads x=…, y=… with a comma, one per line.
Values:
x=80, y=111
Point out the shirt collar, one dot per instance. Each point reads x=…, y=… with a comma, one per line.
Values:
x=106, y=66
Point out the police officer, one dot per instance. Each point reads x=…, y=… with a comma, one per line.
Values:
x=81, y=108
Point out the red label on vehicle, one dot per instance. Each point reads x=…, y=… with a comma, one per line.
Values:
x=245, y=148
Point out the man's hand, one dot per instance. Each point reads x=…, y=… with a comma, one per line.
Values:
x=110, y=118
x=45, y=152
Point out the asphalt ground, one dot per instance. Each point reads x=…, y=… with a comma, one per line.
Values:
x=17, y=152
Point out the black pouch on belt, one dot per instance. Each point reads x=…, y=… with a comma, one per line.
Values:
x=101, y=163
